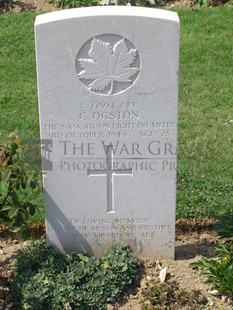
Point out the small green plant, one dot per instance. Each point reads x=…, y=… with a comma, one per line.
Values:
x=204, y=3
x=74, y=3
x=6, y=4
x=219, y=270
x=224, y=249
x=46, y=279
x=224, y=226
x=169, y=296
x=15, y=178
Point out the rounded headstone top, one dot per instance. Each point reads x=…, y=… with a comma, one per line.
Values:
x=107, y=11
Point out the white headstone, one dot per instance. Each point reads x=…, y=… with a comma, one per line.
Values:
x=108, y=89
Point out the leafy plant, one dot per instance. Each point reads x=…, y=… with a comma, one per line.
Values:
x=15, y=177
x=224, y=250
x=224, y=227
x=202, y=2
x=169, y=296
x=74, y=3
x=46, y=279
x=6, y=4
x=219, y=270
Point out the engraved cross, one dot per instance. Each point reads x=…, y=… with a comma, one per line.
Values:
x=109, y=173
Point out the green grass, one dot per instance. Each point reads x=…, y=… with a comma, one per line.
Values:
x=205, y=112
x=205, y=169
x=18, y=94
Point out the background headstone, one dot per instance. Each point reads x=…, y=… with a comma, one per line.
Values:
x=108, y=93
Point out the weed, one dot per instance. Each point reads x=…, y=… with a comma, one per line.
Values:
x=224, y=227
x=15, y=177
x=45, y=279
x=219, y=270
x=169, y=296
x=6, y=4
x=75, y=3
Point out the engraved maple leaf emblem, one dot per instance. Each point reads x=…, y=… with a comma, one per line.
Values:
x=108, y=64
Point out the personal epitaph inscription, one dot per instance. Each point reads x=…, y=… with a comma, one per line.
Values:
x=108, y=112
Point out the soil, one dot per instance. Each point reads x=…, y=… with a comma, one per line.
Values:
x=192, y=241
x=30, y=6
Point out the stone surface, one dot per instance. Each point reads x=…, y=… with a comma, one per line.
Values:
x=108, y=89
x=163, y=274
